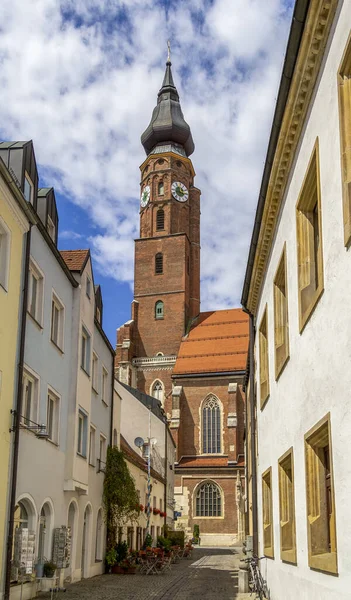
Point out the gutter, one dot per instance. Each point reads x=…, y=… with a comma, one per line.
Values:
x=18, y=408
x=252, y=402
x=295, y=36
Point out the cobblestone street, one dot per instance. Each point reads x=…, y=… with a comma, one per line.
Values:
x=210, y=575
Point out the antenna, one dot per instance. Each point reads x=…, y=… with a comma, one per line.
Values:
x=139, y=442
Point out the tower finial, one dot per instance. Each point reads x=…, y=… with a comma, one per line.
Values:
x=168, y=51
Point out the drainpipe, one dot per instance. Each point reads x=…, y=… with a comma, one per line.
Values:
x=112, y=399
x=253, y=435
x=17, y=419
x=166, y=470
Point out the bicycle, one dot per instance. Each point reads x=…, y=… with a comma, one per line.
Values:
x=256, y=582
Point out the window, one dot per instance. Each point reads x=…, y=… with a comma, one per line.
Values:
x=94, y=372
x=28, y=189
x=322, y=553
x=51, y=229
x=344, y=81
x=104, y=385
x=88, y=287
x=287, y=508
x=102, y=454
x=159, y=310
x=161, y=188
x=281, y=324
x=309, y=241
x=267, y=508
x=208, y=500
x=264, y=365
x=53, y=416
x=35, y=292
x=99, y=537
x=115, y=440
x=211, y=426
x=30, y=394
x=57, y=321
x=5, y=245
x=160, y=219
x=157, y=391
x=92, y=449
x=85, y=350
x=159, y=263
x=82, y=433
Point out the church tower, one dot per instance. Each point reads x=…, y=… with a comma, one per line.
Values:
x=167, y=253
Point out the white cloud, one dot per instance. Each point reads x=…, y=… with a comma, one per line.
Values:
x=83, y=88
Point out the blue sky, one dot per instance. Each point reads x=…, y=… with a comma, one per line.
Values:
x=80, y=78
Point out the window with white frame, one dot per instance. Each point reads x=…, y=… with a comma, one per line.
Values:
x=208, y=500
x=57, y=321
x=51, y=229
x=92, y=449
x=104, y=385
x=35, y=292
x=85, y=351
x=82, y=433
x=157, y=391
x=102, y=449
x=211, y=426
x=94, y=372
x=30, y=394
x=88, y=287
x=28, y=191
x=53, y=416
x=5, y=245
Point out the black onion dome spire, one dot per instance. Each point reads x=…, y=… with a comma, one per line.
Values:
x=168, y=129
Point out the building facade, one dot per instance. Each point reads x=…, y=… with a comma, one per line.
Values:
x=297, y=278
x=15, y=220
x=64, y=415
x=165, y=311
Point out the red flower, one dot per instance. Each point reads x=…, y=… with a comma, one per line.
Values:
x=141, y=507
x=156, y=511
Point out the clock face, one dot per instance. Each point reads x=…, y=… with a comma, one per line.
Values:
x=145, y=196
x=179, y=191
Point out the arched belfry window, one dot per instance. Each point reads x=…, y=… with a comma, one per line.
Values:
x=159, y=310
x=208, y=500
x=159, y=263
x=160, y=219
x=211, y=426
x=157, y=391
x=161, y=188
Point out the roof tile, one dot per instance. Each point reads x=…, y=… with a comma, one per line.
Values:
x=75, y=259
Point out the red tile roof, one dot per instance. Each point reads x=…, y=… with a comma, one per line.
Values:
x=217, y=342
x=75, y=259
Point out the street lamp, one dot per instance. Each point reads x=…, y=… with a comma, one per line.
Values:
x=22, y=422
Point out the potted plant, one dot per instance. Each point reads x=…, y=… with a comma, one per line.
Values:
x=111, y=558
x=49, y=568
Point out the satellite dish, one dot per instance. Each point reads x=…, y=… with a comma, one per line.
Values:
x=139, y=442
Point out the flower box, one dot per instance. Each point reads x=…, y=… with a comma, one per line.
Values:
x=156, y=511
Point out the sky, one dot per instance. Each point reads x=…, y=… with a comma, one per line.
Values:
x=80, y=78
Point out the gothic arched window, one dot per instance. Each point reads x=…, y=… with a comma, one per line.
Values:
x=159, y=310
x=161, y=188
x=157, y=391
x=159, y=263
x=208, y=500
x=160, y=219
x=211, y=426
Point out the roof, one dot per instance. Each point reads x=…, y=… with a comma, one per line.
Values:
x=137, y=460
x=216, y=343
x=148, y=401
x=75, y=259
x=208, y=461
x=167, y=123
x=294, y=42
x=6, y=145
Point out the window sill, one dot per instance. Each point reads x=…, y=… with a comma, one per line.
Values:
x=92, y=465
x=159, y=318
x=268, y=552
x=289, y=556
x=264, y=402
x=84, y=371
x=56, y=444
x=94, y=389
x=3, y=288
x=280, y=368
x=81, y=455
x=35, y=321
x=324, y=562
x=104, y=402
x=57, y=347
x=217, y=518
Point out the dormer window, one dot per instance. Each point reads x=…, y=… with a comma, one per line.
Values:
x=28, y=189
x=51, y=229
x=161, y=189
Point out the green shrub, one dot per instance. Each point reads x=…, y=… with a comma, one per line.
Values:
x=121, y=550
x=176, y=538
x=164, y=543
x=147, y=542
